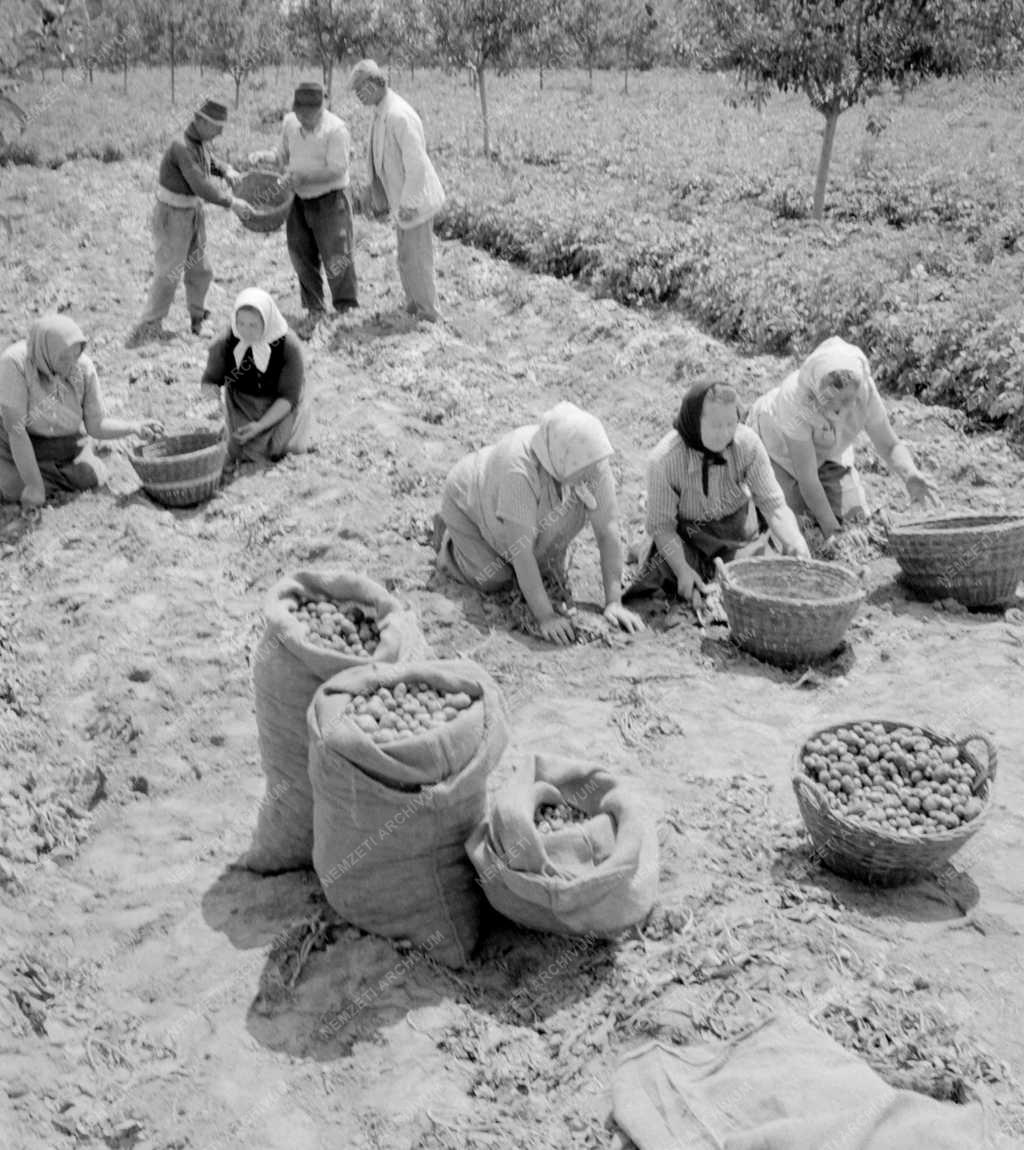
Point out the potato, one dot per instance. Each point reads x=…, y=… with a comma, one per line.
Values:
x=549, y=818
x=899, y=780
x=329, y=624
x=405, y=710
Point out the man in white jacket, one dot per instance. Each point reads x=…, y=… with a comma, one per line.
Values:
x=403, y=183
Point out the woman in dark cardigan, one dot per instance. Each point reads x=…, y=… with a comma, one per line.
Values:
x=258, y=365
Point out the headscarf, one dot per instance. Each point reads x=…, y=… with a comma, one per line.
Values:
x=48, y=338
x=833, y=355
x=567, y=440
x=274, y=326
x=688, y=426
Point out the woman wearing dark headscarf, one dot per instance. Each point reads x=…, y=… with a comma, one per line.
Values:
x=706, y=481
x=257, y=363
x=50, y=403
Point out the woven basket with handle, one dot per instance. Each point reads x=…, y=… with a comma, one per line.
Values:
x=975, y=559
x=181, y=470
x=788, y=611
x=270, y=202
x=881, y=856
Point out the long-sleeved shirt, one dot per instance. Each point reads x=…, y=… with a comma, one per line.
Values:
x=675, y=491
x=328, y=145
x=186, y=168
x=283, y=378
x=401, y=173
x=55, y=407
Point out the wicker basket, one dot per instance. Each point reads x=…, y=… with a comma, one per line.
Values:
x=976, y=559
x=882, y=857
x=181, y=470
x=269, y=201
x=788, y=611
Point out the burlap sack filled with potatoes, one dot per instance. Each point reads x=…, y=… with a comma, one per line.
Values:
x=399, y=758
x=308, y=638
x=568, y=848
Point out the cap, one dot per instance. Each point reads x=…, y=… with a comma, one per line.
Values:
x=308, y=94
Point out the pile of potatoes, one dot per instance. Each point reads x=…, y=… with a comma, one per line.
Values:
x=553, y=818
x=404, y=710
x=347, y=627
x=897, y=780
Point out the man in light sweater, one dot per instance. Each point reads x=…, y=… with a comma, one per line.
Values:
x=403, y=183
x=314, y=151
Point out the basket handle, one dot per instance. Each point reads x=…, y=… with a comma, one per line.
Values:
x=988, y=770
x=811, y=790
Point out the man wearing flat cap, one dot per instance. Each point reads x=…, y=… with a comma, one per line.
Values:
x=184, y=182
x=314, y=151
x=402, y=182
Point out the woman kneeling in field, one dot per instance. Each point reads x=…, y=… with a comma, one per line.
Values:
x=707, y=480
x=809, y=424
x=50, y=403
x=258, y=364
x=512, y=509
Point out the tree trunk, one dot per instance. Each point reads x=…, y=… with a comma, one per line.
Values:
x=172, y=31
x=481, y=87
x=831, y=114
x=124, y=73
x=540, y=74
x=238, y=89
x=625, y=80
x=412, y=71
x=590, y=71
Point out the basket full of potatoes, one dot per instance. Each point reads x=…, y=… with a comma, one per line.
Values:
x=891, y=802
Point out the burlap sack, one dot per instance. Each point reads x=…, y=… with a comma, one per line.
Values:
x=390, y=820
x=287, y=669
x=597, y=877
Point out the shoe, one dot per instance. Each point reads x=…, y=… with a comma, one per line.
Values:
x=199, y=323
x=346, y=306
x=309, y=323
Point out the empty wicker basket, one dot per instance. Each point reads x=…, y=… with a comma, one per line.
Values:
x=270, y=202
x=879, y=856
x=976, y=559
x=181, y=470
x=789, y=611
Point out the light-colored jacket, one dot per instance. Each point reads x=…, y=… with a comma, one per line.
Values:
x=401, y=173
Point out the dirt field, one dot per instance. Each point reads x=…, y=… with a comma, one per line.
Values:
x=149, y=991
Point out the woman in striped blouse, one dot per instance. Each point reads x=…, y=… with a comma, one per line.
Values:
x=706, y=482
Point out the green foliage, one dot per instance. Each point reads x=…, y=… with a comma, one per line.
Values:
x=485, y=33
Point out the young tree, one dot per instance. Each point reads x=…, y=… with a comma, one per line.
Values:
x=483, y=34
x=634, y=32
x=588, y=25
x=118, y=36
x=841, y=52
x=167, y=26
x=240, y=33
x=546, y=42
x=330, y=30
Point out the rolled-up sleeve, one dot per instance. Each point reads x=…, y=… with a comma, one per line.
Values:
x=339, y=148
x=759, y=476
x=662, y=497
x=93, y=411
x=13, y=389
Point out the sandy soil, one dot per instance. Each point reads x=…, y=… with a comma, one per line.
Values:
x=149, y=991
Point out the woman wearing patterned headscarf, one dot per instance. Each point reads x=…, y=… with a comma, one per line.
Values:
x=809, y=424
x=706, y=481
x=50, y=403
x=511, y=510
x=258, y=364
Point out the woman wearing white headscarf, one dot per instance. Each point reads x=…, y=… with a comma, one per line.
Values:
x=50, y=404
x=512, y=509
x=809, y=425
x=258, y=364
